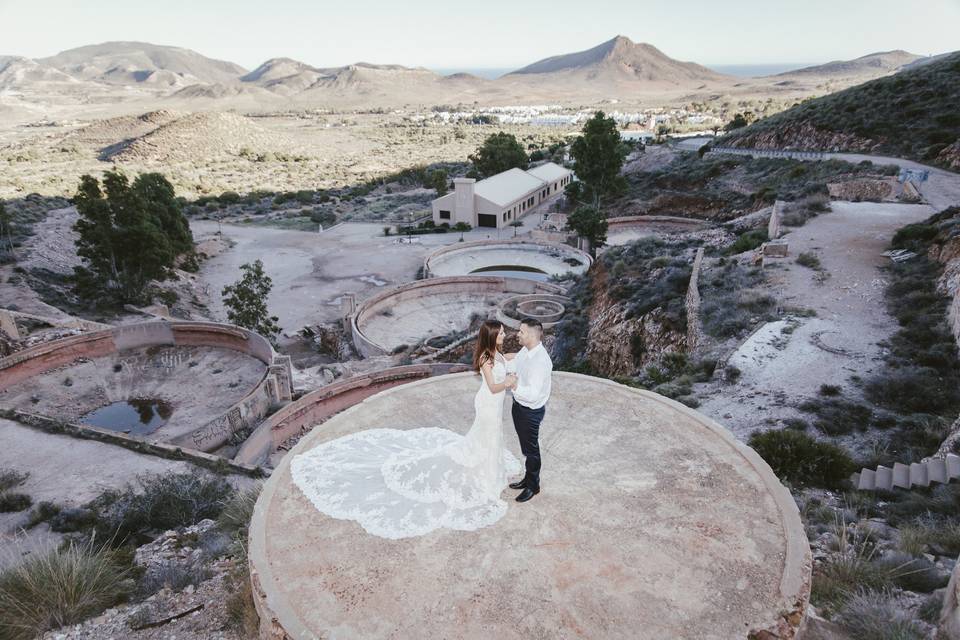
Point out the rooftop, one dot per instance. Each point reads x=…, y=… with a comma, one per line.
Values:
x=506, y=187
x=549, y=172
x=651, y=516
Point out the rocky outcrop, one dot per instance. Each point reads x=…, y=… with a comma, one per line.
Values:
x=950, y=156
x=801, y=135
x=618, y=345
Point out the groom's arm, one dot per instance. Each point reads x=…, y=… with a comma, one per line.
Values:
x=531, y=385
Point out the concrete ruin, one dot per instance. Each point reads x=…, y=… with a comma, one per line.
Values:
x=416, y=311
x=178, y=362
x=466, y=258
x=651, y=517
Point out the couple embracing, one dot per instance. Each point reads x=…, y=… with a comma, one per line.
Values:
x=398, y=483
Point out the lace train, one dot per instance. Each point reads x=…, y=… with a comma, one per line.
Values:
x=401, y=483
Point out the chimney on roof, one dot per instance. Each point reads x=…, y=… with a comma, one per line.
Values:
x=463, y=188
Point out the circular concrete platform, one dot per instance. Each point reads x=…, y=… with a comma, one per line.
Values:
x=653, y=522
x=547, y=258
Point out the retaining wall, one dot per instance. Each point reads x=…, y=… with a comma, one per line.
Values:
x=693, y=303
x=613, y=224
x=302, y=415
x=274, y=387
x=479, y=285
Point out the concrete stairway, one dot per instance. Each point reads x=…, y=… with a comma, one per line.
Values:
x=905, y=476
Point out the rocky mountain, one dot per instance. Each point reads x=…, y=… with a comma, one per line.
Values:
x=17, y=72
x=620, y=60
x=910, y=114
x=869, y=66
x=134, y=63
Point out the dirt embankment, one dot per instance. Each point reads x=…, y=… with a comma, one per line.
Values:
x=619, y=345
x=801, y=135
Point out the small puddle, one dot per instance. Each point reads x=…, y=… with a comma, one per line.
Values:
x=513, y=271
x=137, y=416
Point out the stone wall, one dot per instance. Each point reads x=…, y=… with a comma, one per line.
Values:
x=301, y=416
x=660, y=223
x=693, y=303
x=160, y=449
x=773, y=226
x=275, y=387
x=480, y=285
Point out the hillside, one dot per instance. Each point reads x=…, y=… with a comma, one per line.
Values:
x=868, y=66
x=205, y=134
x=133, y=63
x=619, y=60
x=911, y=114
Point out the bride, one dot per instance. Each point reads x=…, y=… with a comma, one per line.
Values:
x=398, y=483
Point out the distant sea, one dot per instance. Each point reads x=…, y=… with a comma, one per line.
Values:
x=755, y=70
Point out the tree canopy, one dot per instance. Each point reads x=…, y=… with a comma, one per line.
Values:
x=499, y=152
x=599, y=155
x=127, y=235
x=591, y=224
x=246, y=301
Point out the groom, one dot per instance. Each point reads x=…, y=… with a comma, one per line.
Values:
x=531, y=391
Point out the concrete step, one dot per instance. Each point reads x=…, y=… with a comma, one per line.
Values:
x=921, y=474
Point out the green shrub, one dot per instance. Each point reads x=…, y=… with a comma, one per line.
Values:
x=158, y=503
x=10, y=502
x=838, y=417
x=876, y=615
x=802, y=460
x=49, y=590
x=10, y=479
x=809, y=260
x=748, y=241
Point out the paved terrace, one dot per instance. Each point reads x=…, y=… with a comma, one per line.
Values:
x=653, y=522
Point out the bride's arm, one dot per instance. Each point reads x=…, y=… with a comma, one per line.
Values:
x=495, y=387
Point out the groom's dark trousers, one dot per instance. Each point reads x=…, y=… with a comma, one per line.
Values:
x=527, y=423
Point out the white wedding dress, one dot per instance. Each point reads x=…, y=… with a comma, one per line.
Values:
x=398, y=483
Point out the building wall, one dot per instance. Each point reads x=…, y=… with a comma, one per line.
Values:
x=465, y=206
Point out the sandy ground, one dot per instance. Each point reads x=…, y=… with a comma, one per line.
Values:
x=780, y=368
x=311, y=271
x=68, y=471
x=200, y=383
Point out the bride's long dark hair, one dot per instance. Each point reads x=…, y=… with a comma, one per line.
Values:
x=486, y=343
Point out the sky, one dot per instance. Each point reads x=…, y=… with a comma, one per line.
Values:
x=489, y=34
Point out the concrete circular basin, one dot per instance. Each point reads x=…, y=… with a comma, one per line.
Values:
x=651, y=517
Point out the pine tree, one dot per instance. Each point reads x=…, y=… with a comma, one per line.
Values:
x=127, y=235
x=599, y=155
x=246, y=301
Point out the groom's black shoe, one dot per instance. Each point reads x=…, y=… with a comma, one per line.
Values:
x=519, y=484
x=527, y=494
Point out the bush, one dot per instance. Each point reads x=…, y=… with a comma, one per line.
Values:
x=802, y=460
x=912, y=390
x=830, y=390
x=838, y=417
x=61, y=587
x=748, y=241
x=10, y=502
x=876, y=615
x=10, y=479
x=913, y=574
x=158, y=503
x=809, y=260
x=238, y=510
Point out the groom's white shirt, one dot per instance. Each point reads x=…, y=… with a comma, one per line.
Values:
x=533, y=368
